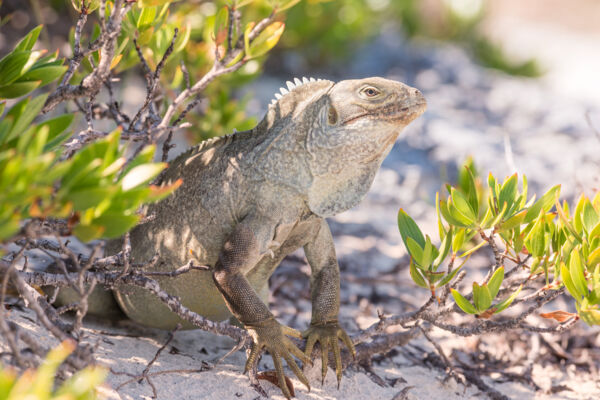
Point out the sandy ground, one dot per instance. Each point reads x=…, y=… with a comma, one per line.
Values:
x=194, y=349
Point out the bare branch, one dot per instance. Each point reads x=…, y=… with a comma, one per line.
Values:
x=137, y=279
x=91, y=84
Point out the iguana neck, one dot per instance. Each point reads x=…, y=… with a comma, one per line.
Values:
x=281, y=155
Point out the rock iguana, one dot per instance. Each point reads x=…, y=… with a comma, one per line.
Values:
x=253, y=197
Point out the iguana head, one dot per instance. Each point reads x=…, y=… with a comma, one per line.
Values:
x=356, y=127
x=334, y=136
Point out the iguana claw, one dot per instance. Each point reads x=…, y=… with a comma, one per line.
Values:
x=328, y=334
x=271, y=335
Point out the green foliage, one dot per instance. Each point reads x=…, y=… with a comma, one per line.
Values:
x=90, y=189
x=425, y=257
x=95, y=189
x=24, y=70
x=483, y=295
x=39, y=384
x=564, y=248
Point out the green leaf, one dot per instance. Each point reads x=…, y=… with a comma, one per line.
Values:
x=283, y=5
x=36, y=145
x=29, y=40
x=589, y=217
x=146, y=18
x=565, y=220
x=183, y=38
x=463, y=303
x=90, y=197
x=576, y=272
x=485, y=298
x=116, y=225
x=444, y=249
x=44, y=75
x=508, y=301
x=9, y=227
x=441, y=228
x=266, y=40
x=416, y=252
x=247, y=32
x=85, y=233
x=57, y=125
x=508, y=192
x=145, y=156
x=481, y=297
x=417, y=276
x=577, y=214
x=429, y=252
x=462, y=205
x=90, y=5
x=496, y=281
x=595, y=232
x=42, y=384
x=535, y=241
x=516, y=220
x=409, y=229
x=568, y=282
x=545, y=203
x=523, y=203
x=590, y=316
x=443, y=207
x=458, y=241
x=141, y=174
x=27, y=116
x=448, y=277
x=468, y=184
x=594, y=259
x=83, y=384
x=18, y=89
x=498, y=217
x=492, y=185
x=476, y=295
x=12, y=66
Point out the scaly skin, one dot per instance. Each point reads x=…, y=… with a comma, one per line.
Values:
x=249, y=199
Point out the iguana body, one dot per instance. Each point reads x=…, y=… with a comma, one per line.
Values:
x=249, y=199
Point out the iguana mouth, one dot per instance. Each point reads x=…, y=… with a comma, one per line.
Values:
x=392, y=113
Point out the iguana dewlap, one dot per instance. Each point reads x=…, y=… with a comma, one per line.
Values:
x=251, y=198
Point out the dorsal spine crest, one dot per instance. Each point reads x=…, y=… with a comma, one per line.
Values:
x=290, y=87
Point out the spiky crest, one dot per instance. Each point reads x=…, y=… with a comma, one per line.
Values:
x=281, y=99
x=291, y=86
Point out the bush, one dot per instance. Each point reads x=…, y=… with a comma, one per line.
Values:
x=93, y=182
x=39, y=383
x=560, y=248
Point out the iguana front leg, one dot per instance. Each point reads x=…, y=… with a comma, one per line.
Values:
x=240, y=253
x=325, y=295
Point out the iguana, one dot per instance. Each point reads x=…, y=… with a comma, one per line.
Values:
x=253, y=197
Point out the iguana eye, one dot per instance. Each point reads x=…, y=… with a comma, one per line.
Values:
x=370, y=92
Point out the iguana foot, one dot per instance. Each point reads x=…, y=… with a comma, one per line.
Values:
x=270, y=335
x=327, y=334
